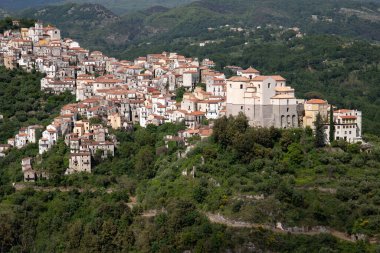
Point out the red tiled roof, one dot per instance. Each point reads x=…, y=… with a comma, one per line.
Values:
x=316, y=101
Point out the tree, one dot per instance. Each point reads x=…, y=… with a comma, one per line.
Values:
x=320, y=136
x=179, y=93
x=202, y=85
x=332, y=125
x=95, y=120
x=144, y=162
x=294, y=156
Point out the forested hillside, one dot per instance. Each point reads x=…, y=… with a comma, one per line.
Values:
x=244, y=189
x=7, y=24
x=3, y=13
x=14, y=5
x=117, y=6
x=343, y=17
x=259, y=176
x=22, y=102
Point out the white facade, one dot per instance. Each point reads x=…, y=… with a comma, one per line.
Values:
x=348, y=125
x=265, y=100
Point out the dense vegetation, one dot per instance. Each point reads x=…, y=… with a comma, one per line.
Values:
x=238, y=162
x=22, y=102
x=7, y=24
x=256, y=175
x=334, y=186
x=112, y=33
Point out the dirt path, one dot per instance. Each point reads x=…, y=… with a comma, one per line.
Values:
x=149, y=213
x=217, y=218
x=22, y=186
x=320, y=189
x=214, y=218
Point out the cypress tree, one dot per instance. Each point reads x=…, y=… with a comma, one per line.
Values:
x=320, y=137
x=332, y=125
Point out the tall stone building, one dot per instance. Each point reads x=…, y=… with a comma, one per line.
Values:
x=79, y=162
x=265, y=100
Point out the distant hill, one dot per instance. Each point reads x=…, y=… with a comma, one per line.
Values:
x=3, y=14
x=73, y=15
x=93, y=25
x=96, y=27
x=117, y=6
x=15, y=5
x=124, y=6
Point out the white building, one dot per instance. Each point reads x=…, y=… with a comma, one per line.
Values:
x=348, y=125
x=265, y=100
x=79, y=162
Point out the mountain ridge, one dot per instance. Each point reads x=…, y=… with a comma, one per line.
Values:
x=342, y=17
x=117, y=6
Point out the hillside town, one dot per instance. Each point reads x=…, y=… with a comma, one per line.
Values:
x=122, y=93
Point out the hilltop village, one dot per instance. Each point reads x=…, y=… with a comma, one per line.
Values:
x=121, y=93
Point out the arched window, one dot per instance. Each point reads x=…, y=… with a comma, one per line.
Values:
x=294, y=123
x=283, y=124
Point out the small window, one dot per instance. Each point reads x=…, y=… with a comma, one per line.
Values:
x=241, y=107
x=241, y=86
x=268, y=85
x=287, y=109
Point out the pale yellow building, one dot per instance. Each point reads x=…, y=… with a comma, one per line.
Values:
x=114, y=120
x=81, y=127
x=312, y=108
x=24, y=33
x=10, y=62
